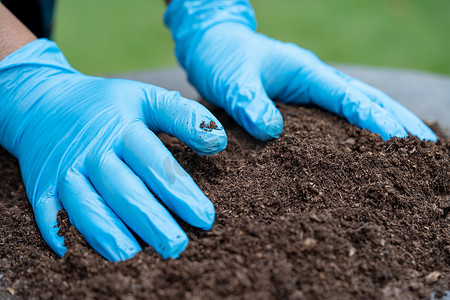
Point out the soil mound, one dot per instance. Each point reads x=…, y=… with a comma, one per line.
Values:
x=327, y=211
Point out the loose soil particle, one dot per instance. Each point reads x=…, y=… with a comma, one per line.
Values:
x=208, y=127
x=327, y=211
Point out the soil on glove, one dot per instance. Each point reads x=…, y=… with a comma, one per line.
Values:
x=327, y=211
x=208, y=127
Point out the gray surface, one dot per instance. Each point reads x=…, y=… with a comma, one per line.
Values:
x=425, y=94
x=173, y=79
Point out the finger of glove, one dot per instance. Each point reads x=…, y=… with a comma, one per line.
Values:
x=315, y=83
x=46, y=210
x=146, y=155
x=186, y=120
x=100, y=226
x=248, y=103
x=410, y=121
x=130, y=199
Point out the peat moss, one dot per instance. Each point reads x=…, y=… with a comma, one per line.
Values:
x=327, y=211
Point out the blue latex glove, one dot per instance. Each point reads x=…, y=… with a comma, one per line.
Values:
x=240, y=70
x=88, y=144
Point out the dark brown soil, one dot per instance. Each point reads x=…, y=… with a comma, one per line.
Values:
x=327, y=211
x=208, y=127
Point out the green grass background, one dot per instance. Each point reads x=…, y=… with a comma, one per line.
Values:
x=106, y=36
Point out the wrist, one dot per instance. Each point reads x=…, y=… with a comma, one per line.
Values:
x=188, y=20
x=26, y=75
x=13, y=34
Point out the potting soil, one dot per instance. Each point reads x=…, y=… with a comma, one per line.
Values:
x=326, y=211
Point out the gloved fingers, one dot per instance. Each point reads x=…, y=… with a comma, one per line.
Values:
x=129, y=198
x=248, y=103
x=146, y=155
x=410, y=121
x=313, y=82
x=100, y=226
x=185, y=119
x=45, y=210
x=358, y=109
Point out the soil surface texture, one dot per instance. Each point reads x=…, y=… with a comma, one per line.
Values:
x=327, y=211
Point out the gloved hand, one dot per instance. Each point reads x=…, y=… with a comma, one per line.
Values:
x=88, y=144
x=237, y=69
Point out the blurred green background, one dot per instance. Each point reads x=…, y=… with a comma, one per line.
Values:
x=107, y=36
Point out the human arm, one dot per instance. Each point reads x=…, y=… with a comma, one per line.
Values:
x=89, y=145
x=242, y=71
x=13, y=34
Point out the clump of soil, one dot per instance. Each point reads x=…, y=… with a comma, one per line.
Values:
x=208, y=127
x=327, y=211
